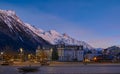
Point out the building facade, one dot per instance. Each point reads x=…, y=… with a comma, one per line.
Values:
x=44, y=52
x=70, y=53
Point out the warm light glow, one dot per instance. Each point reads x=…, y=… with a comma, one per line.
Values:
x=51, y=49
x=21, y=50
x=29, y=56
x=1, y=53
x=95, y=58
x=87, y=60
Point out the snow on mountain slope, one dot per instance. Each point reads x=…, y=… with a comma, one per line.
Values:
x=15, y=33
x=54, y=37
x=12, y=25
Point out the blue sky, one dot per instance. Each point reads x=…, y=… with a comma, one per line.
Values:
x=95, y=21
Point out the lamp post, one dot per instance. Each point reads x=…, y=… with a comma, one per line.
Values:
x=51, y=51
x=21, y=50
x=2, y=55
x=21, y=53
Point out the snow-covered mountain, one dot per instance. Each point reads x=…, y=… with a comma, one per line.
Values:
x=113, y=50
x=54, y=37
x=21, y=34
x=113, y=47
x=14, y=33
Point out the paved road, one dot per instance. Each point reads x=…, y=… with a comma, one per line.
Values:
x=82, y=69
x=65, y=69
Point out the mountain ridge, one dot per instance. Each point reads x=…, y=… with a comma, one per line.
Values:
x=11, y=27
x=54, y=37
x=27, y=36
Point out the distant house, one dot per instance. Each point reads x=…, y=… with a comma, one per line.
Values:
x=70, y=52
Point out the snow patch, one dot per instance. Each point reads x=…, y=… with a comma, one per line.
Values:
x=10, y=12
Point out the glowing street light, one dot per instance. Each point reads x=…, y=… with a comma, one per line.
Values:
x=2, y=55
x=51, y=50
x=21, y=54
x=21, y=50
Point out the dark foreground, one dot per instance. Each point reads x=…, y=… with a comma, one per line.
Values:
x=66, y=69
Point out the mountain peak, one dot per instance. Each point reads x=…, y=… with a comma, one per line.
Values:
x=8, y=12
x=16, y=34
x=65, y=35
x=54, y=32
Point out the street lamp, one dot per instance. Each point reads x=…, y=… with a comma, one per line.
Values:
x=21, y=53
x=2, y=55
x=51, y=51
x=21, y=50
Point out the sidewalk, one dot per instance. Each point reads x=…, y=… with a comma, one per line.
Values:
x=60, y=64
x=82, y=64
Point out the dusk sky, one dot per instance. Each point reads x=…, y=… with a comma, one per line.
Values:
x=96, y=22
